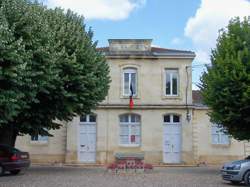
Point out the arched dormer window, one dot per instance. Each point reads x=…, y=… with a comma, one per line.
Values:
x=129, y=81
x=130, y=130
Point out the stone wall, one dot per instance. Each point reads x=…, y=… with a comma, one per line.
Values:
x=151, y=135
x=151, y=81
x=52, y=151
x=207, y=152
x=247, y=148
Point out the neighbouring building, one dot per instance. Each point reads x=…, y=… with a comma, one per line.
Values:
x=167, y=123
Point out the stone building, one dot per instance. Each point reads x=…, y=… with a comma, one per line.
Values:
x=165, y=123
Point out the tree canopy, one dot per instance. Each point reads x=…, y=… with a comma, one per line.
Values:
x=225, y=85
x=49, y=68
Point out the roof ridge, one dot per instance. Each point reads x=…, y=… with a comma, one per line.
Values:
x=160, y=48
x=172, y=49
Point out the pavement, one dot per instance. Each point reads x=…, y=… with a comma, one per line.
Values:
x=55, y=176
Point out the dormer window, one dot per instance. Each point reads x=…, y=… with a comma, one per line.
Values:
x=129, y=81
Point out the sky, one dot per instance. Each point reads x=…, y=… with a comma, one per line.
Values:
x=178, y=24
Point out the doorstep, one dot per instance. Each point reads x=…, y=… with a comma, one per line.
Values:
x=175, y=165
x=68, y=165
x=104, y=165
x=85, y=165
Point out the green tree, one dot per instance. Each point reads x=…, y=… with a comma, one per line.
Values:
x=226, y=83
x=49, y=69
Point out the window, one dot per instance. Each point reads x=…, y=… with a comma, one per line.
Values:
x=129, y=81
x=130, y=129
x=171, y=119
x=172, y=81
x=39, y=138
x=219, y=136
x=90, y=118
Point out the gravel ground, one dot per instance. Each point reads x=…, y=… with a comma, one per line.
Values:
x=41, y=176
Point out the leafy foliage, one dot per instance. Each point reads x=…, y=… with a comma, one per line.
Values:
x=226, y=84
x=49, y=67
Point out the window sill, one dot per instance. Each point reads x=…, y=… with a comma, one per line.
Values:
x=129, y=145
x=39, y=142
x=171, y=97
x=221, y=145
x=128, y=97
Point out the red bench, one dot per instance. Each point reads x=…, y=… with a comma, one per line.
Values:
x=127, y=161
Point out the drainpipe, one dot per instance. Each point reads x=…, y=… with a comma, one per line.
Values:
x=188, y=115
x=107, y=130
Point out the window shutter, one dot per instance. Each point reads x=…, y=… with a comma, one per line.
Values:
x=126, y=83
x=168, y=84
x=215, y=138
x=133, y=82
x=224, y=139
x=174, y=83
x=135, y=129
x=130, y=129
x=218, y=136
x=124, y=130
x=137, y=139
x=124, y=140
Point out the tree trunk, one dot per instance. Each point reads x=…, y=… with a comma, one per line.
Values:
x=8, y=135
x=13, y=139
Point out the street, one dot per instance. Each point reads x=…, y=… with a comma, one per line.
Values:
x=44, y=176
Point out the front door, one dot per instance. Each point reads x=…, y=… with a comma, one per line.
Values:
x=172, y=143
x=87, y=141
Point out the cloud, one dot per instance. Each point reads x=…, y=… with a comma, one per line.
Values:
x=153, y=45
x=210, y=17
x=99, y=9
x=176, y=41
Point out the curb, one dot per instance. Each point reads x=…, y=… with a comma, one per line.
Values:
x=105, y=165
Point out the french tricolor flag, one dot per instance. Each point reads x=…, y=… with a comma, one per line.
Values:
x=131, y=102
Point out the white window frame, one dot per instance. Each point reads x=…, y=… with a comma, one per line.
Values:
x=171, y=72
x=129, y=124
x=220, y=134
x=88, y=122
x=129, y=71
x=172, y=119
x=40, y=139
